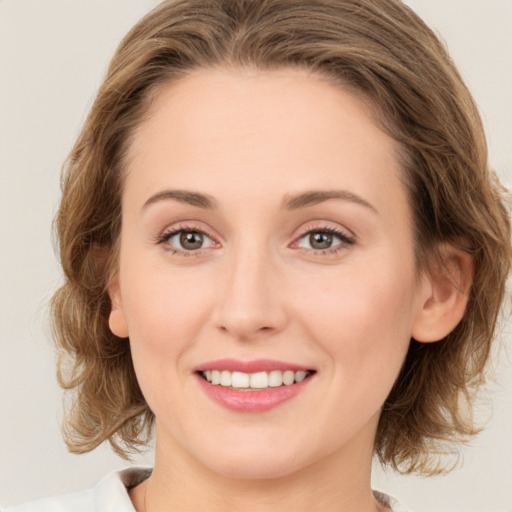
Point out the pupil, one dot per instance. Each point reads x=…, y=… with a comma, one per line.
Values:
x=320, y=240
x=191, y=240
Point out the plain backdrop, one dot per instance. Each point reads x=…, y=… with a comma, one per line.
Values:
x=53, y=54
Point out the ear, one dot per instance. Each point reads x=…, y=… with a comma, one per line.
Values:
x=116, y=319
x=445, y=295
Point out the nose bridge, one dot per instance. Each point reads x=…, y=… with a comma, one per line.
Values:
x=250, y=302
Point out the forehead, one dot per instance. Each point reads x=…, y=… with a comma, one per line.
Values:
x=252, y=132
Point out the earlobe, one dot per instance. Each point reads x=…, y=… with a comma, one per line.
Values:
x=116, y=319
x=446, y=293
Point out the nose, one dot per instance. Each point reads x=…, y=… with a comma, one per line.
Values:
x=251, y=300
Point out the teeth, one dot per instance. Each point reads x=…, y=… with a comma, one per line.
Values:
x=215, y=377
x=300, y=376
x=275, y=379
x=259, y=380
x=239, y=380
x=225, y=378
x=288, y=377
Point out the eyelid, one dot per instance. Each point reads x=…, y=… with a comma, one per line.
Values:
x=172, y=231
x=323, y=225
x=347, y=238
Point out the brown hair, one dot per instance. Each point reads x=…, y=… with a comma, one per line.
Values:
x=384, y=52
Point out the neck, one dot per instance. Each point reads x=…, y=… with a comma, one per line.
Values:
x=339, y=482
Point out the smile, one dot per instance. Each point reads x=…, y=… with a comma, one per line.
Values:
x=258, y=380
x=252, y=386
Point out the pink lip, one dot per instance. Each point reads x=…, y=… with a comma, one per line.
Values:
x=254, y=366
x=251, y=401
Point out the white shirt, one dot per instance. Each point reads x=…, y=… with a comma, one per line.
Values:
x=111, y=495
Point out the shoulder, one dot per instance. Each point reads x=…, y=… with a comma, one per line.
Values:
x=393, y=504
x=109, y=495
x=78, y=502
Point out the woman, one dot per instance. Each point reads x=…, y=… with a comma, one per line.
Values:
x=267, y=258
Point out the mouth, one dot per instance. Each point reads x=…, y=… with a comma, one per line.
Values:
x=252, y=386
x=242, y=381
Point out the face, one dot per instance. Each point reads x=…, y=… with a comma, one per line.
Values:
x=267, y=244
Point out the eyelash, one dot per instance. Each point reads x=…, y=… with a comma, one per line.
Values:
x=167, y=235
x=346, y=240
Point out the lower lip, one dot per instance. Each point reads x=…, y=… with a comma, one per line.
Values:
x=252, y=401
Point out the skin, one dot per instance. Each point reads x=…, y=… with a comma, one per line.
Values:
x=259, y=289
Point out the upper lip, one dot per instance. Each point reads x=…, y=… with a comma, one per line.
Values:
x=254, y=366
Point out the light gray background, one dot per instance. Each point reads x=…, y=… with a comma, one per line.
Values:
x=53, y=54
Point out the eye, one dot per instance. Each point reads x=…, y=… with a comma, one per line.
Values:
x=325, y=239
x=186, y=240
x=189, y=240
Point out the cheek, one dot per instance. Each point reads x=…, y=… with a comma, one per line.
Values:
x=363, y=319
x=165, y=316
x=165, y=313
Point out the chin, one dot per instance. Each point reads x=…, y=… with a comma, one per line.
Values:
x=257, y=468
x=253, y=461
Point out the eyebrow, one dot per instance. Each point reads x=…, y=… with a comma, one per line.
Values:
x=291, y=202
x=314, y=197
x=183, y=196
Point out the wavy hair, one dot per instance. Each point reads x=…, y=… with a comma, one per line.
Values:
x=378, y=49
